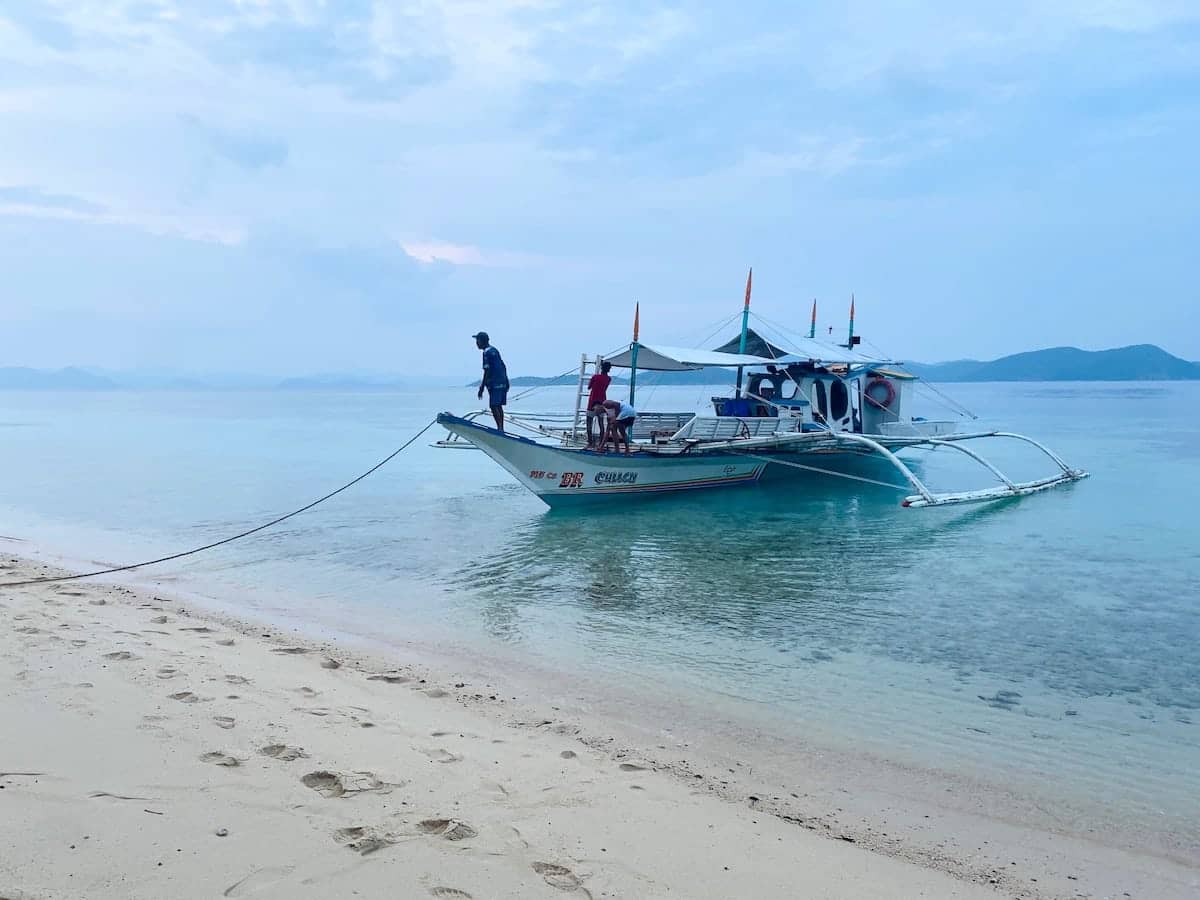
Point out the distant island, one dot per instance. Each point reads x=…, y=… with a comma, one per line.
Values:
x=1140, y=362
x=339, y=383
x=19, y=378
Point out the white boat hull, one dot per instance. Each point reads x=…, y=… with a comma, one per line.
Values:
x=560, y=475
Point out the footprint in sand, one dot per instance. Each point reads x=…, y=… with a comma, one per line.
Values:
x=79, y=643
x=390, y=679
x=188, y=697
x=442, y=755
x=217, y=758
x=159, y=620
x=256, y=881
x=330, y=664
x=225, y=722
x=98, y=795
x=568, y=754
x=28, y=629
x=292, y=651
x=631, y=767
x=165, y=672
x=364, y=840
x=449, y=893
x=198, y=629
x=226, y=642
x=557, y=876
x=237, y=679
x=283, y=752
x=450, y=829
x=437, y=693
x=119, y=655
x=343, y=784
x=306, y=691
x=99, y=601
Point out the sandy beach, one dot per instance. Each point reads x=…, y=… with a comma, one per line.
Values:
x=152, y=749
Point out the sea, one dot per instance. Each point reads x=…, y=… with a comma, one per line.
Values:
x=1050, y=642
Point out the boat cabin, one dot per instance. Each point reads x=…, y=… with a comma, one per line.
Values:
x=836, y=397
x=817, y=386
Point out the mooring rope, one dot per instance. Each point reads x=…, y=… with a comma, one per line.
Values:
x=796, y=465
x=237, y=537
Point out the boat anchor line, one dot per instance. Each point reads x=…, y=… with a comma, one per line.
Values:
x=236, y=537
x=924, y=496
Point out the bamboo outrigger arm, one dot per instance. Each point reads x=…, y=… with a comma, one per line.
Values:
x=1007, y=487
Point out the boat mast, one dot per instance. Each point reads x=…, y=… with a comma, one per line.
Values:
x=637, y=310
x=812, y=328
x=745, y=328
x=850, y=336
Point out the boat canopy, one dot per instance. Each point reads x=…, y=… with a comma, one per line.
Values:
x=804, y=350
x=756, y=345
x=682, y=359
x=810, y=350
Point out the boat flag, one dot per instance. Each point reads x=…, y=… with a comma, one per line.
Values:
x=746, y=311
x=637, y=315
x=812, y=328
x=850, y=342
x=745, y=325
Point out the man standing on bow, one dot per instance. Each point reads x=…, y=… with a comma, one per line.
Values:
x=495, y=378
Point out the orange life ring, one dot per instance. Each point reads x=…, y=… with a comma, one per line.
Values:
x=887, y=386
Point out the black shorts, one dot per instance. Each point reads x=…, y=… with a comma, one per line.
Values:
x=626, y=424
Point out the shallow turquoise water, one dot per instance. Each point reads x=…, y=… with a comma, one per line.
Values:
x=1056, y=637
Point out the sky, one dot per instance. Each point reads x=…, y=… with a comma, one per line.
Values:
x=296, y=186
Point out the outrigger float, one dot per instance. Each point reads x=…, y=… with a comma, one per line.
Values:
x=811, y=407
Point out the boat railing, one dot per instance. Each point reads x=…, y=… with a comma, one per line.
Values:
x=729, y=428
x=651, y=425
x=557, y=426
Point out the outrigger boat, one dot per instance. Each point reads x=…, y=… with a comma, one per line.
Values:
x=812, y=407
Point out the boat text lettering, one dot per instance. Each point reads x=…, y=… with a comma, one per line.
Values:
x=571, y=480
x=616, y=477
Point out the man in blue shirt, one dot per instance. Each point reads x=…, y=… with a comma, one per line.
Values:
x=495, y=378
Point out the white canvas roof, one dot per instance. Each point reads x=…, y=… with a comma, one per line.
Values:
x=811, y=350
x=682, y=359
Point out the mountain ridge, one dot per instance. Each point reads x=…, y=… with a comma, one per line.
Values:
x=1136, y=362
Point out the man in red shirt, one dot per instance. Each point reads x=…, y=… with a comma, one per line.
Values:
x=597, y=394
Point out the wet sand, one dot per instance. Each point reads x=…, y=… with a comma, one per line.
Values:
x=153, y=749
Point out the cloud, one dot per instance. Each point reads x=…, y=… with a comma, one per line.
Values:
x=400, y=156
x=27, y=197
x=434, y=251
x=22, y=201
x=40, y=24
x=247, y=149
